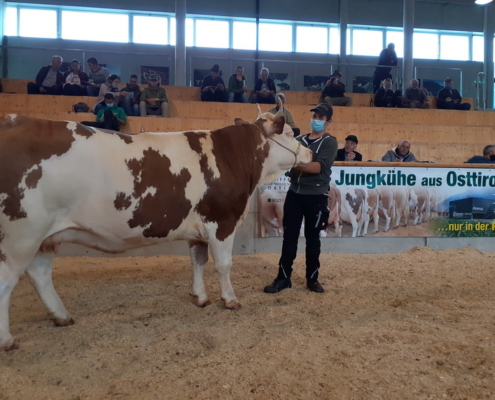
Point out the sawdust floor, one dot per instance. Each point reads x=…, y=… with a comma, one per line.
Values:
x=415, y=325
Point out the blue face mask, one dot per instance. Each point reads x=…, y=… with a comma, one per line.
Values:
x=317, y=125
x=109, y=105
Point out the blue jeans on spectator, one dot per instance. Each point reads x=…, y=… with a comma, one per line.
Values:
x=98, y=107
x=91, y=91
x=131, y=110
x=237, y=97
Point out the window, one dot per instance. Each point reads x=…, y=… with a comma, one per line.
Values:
x=454, y=47
x=100, y=27
x=367, y=42
x=189, y=32
x=425, y=45
x=396, y=38
x=212, y=33
x=478, y=48
x=10, y=27
x=275, y=37
x=38, y=23
x=150, y=30
x=335, y=41
x=244, y=35
x=311, y=39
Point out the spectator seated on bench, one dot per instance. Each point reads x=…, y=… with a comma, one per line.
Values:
x=110, y=116
x=49, y=79
x=75, y=80
x=154, y=100
x=449, y=98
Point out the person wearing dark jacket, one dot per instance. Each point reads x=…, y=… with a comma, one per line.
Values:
x=75, y=80
x=488, y=156
x=238, y=87
x=308, y=197
x=333, y=92
x=49, y=79
x=213, y=88
x=387, y=57
x=449, y=98
x=349, y=153
x=130, y=103
x=264, y=89
x=386, y=97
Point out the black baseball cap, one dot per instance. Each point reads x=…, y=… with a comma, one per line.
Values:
x=352, y=138
x=324, y=109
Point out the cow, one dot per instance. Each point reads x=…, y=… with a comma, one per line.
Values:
x=419, y=204
x=354, y=208
x=335, y=208
x=372, y=201
x=386, y=205
x=271, y=206
x=63, y=182
x=401, y=197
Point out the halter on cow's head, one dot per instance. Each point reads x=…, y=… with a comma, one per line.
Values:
x=286, y=150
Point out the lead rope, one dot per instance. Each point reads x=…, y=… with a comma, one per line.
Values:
x=280, y=144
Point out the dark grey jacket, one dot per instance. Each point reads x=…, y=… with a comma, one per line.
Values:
x=324, y=151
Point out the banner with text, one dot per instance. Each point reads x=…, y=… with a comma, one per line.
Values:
x=394, y=201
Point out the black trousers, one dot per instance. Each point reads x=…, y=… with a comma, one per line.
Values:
x=217, y=96
x=109, y=122
x=450, y=105
x=74, y=90
x=314, y=209
x=33, y=88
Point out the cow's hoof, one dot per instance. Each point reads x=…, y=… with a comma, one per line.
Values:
x=8, y=344
x=200, y=303
x=233, y=305
x=63, y=321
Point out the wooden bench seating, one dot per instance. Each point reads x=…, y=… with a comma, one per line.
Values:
x=187, y=93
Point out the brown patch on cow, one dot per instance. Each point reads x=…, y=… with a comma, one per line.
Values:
x=85, y=131
x=3, y=257
x=239, y=156
x=356, y=202
x=33, y=177
x=126, y=138
x=122, y=202
x=23, y=146
x=194, y=139
x=168, y=207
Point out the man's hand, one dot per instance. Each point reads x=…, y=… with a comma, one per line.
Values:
x=123, y=94
x=448, y=99
x=328, y=82
x=220, y=87
x=244, y=89
x=42, y=89
x=350, y=156
x=152, y=102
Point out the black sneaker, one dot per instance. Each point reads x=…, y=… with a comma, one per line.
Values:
x=315, y=286
x=278, y=285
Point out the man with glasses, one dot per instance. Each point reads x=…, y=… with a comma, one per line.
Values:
x=402, y=153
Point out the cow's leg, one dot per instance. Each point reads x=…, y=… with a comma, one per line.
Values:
x=40, y=273
x=366, y=217
x=222, y=254
x=375, y=220
x=8, y=280
x=388, y=218
x=198, y=251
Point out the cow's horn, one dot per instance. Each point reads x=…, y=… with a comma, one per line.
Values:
x=259, y=111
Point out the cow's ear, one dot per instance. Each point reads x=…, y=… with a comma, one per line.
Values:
x=278, y=124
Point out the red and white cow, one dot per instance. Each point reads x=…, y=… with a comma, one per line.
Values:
x=354, y=208
x=62, y=182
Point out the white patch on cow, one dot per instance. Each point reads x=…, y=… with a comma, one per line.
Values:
x=12, y=117
x=72, y=126
x=207, y=145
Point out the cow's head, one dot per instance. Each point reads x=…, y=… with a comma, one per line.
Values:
x=285, y=151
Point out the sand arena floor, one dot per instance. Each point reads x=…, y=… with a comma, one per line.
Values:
x=414, y=325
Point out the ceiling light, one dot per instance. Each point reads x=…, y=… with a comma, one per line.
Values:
x=481, y=2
